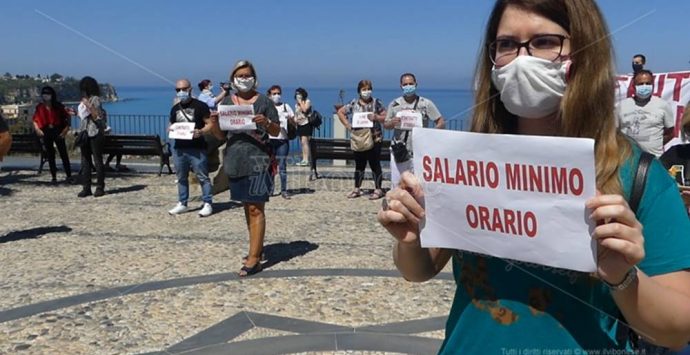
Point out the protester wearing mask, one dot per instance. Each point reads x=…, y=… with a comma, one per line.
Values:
x=409, y=102
x=52, y=123
x=280, y=142
x=304, y=129
x=191, y=154
x=638, y=63
x=365, y=142
x=93, y=121
x=207, y=96
x=562, y=49
x=647, y=119
x=248, y=160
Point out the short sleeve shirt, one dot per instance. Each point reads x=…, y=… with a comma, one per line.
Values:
x=86, y=121
x=501, y=304
x=284, y=111
x=424, y=106
x=375, y=106
x=246, y=153
x=194, y=111
x=207, y=98
x=646, y=124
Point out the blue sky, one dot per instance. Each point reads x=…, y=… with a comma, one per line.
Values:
x=315, y=43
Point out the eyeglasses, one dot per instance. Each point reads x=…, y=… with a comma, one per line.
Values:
x=548, y=46
x=181, y=89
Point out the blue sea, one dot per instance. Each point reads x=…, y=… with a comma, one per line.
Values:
x=145, y=110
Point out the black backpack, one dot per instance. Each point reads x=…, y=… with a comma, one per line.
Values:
x=315, y=119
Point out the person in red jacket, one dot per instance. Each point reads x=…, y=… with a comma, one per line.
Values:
x=52, y=122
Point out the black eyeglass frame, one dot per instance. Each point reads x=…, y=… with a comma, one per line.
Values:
x=526, y=45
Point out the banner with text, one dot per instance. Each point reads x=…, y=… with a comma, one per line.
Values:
x=672, y=87
x=514, y=197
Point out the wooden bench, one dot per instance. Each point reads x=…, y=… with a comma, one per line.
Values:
x=138, y=145
x=325, y=148
x=28, y=143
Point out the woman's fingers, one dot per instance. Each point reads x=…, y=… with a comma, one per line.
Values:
x=633, y=253
x=618, y=230
x=612, y=207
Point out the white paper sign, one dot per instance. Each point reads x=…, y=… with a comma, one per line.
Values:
x=236, y=117
x=514, y=197
x=397, y=169
x=361, y=120
x=181, y=130
x=409, y=120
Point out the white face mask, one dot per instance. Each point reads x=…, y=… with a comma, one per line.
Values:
x=531, y=87
x=243, y=85
x=365, y=94
x=276, y=98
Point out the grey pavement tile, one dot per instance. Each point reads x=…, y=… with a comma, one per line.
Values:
x=407, y=327
x=41, y=307
x=217, y=334
x=276, y=345
x=294, y=325
x=388, y=343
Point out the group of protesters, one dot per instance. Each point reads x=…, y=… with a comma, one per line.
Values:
x=639, y=297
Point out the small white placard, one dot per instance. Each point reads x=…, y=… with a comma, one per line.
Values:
x=236, y=117
x=361, y=120
x=181, y=130
x=409, y=120
x=509, y=196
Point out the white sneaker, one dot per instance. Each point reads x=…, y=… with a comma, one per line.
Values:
x=206, y=210
x=180, y=208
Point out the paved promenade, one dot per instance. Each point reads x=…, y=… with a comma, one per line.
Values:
x=118, y=275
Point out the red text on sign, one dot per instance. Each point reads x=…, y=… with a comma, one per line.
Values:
x=502, y=221
x=459, y=172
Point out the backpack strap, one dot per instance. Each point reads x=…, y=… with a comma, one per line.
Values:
x=640, y=180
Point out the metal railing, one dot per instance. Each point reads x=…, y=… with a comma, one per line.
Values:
x=157, y=125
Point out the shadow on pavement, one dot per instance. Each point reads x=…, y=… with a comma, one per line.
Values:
x=33, y=233
x=123, y=190
x=282, y=252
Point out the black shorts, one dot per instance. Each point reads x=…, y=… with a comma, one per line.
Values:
x=305, y=130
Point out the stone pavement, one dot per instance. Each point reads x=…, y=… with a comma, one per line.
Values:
x=118, y=275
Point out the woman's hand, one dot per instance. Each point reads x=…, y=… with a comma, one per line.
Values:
x=618, y=234
x=402, y=211
x=39, y=133
x=261, y=121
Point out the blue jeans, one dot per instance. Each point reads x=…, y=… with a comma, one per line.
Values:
x=197, y=160
x=281, y=147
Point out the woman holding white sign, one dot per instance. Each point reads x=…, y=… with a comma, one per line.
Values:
x=563, y=50
x=249, y=160
x=365, y=136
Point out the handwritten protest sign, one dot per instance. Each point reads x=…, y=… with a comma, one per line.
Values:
x=514, y=197
x=409, y=120
x=361, y=120
x=236, y=117
x=181, y=130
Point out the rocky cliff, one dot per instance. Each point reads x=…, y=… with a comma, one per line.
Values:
x=15, y=91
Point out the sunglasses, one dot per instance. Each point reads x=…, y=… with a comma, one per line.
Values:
x=181, y=89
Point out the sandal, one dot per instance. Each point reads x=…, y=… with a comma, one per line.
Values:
x=354, y=194
x=249, y=271
x=263, y=258
x=377, y=194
